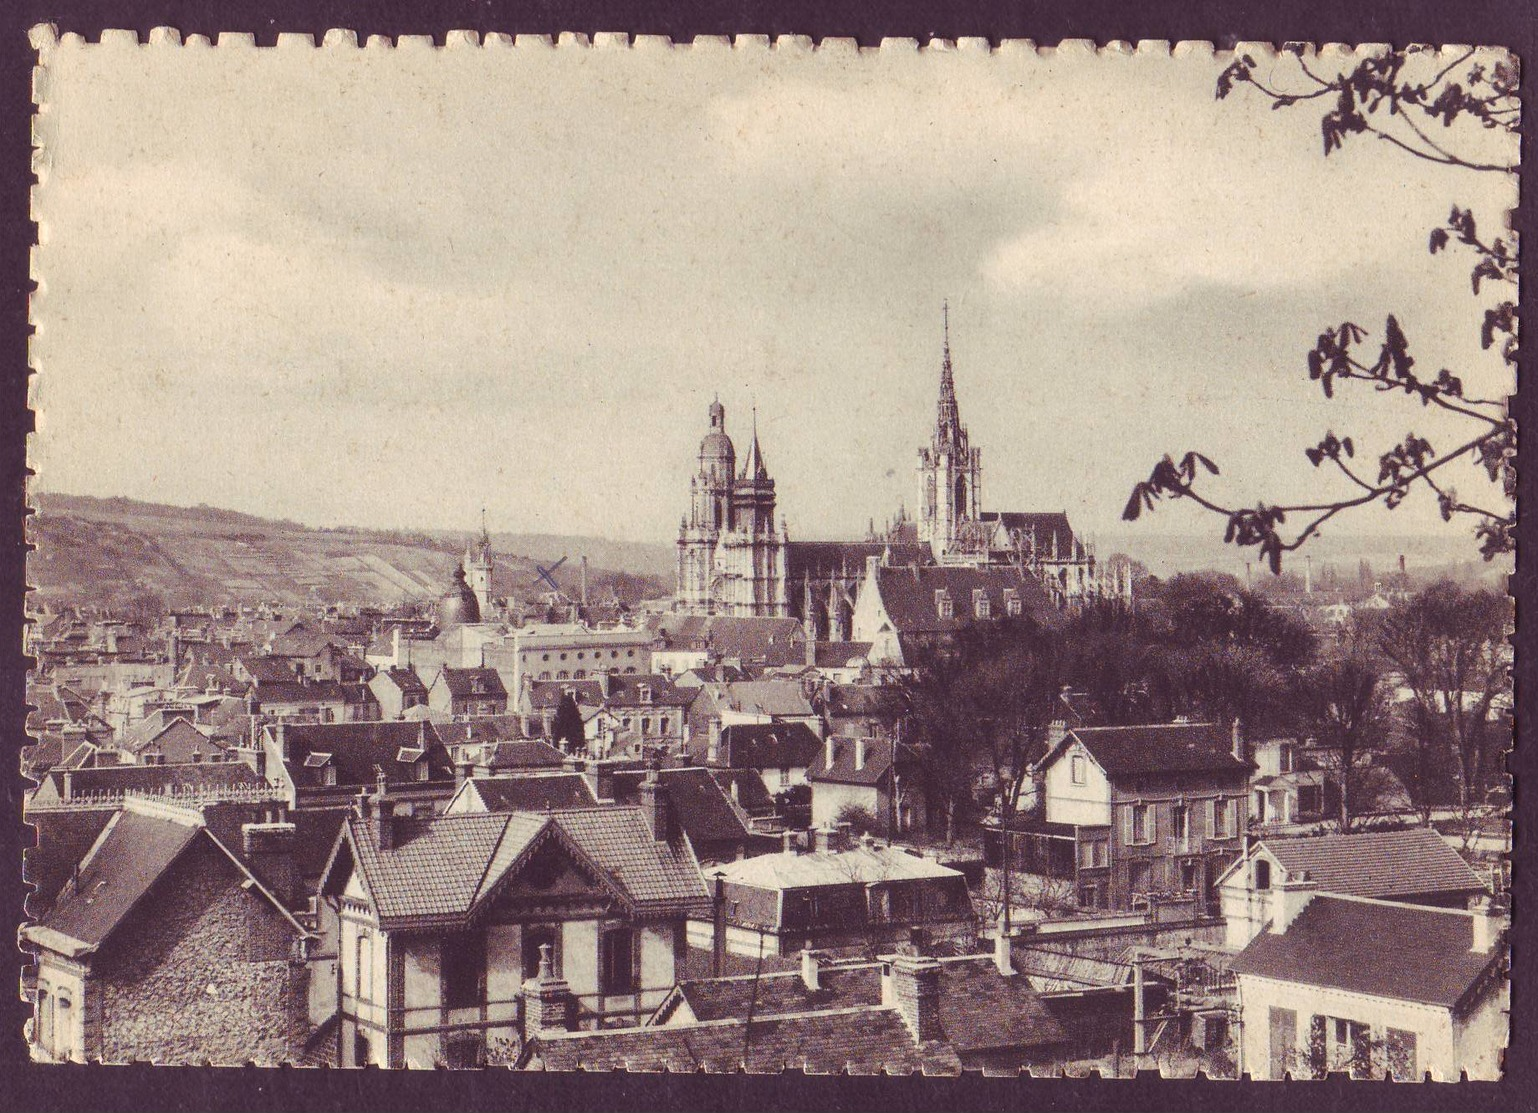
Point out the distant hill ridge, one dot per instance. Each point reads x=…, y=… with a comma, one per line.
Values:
x=104, y=550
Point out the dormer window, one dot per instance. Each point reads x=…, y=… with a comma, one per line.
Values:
x=981, y=607
x=944, y=607
x=1012, y=602
x=328, y=775
x=646, y=693
x=410, y=755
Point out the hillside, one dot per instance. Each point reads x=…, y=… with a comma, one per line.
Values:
x=92, y=550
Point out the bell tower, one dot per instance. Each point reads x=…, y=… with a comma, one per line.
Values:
x=950, y=469
x=478, y=564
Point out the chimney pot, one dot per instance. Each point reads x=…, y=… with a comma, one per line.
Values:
x=830, y=752
x=809, y=968
x=859, y=753
x=1289, y=899
x=1486, y=925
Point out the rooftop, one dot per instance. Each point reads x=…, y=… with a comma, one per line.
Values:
x=861, y=864
x=1156, y=749
x=1383, y=864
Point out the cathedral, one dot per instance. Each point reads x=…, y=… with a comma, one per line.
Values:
x=731, y=551
x=733, y=560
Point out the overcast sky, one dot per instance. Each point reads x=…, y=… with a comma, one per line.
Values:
x=388, y=287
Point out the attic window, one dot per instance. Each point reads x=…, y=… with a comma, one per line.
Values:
x=316, y=760
x=409, y=755
x=944, y=607
x=1012, y=602
x=981, y=606
x=646, y=693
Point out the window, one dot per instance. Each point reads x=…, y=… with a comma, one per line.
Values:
x=1012, y=602
x=463, y=960
x=646, y=726
x=1283, y=1041
x=1140, y=824
x=563, y=675
x=545, y=675
x=784, y=776
x=1222, y=818
x=981, y=607
x=1180, y=822
x=1092, y=854
x=363, y=978
x=1140, y=877
x=943, y=605
x=579, y=656
x=544, y=656
x=361, y=1054
x=1310, y=799
x=1284, y=759
x=421, y=768
x=616, y=963
x=1076, y=766
x=563, y=656
x=1190, y=876
x=646, y=693
x=1400, y=1047
x=1262, y=874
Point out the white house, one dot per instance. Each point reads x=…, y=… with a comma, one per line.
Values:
x=1368, y=986
x=1414, y=866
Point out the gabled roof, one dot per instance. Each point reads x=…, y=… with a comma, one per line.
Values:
x=781, y=699
x=837, y=655
x=1402, y=951
x=406, y=681
x=878, y=762
x=702, y=809
x=360, y=751
x=1155, y=749
x=445, y=868
x=507, y=727
x=268, y=670
x=872, y=700
x=751, y=794
x=821, y=560
x=1417, y=862
x=909, y=596
x=536, y=792
x=768, y=745
x=527, y=754
x=861, y=1041
x=133, y=852
x=751, y=640
x=1049, y=526
x=462, y=683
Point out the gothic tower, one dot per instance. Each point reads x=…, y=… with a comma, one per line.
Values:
x=950, y=470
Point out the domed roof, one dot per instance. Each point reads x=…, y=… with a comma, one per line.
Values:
x=458, y=605
x=716, y=447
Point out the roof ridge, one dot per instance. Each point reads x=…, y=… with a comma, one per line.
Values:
x=1326, y=894
x=723, y=1022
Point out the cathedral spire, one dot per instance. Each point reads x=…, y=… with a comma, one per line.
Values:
x=948, y=422
x=753, y=467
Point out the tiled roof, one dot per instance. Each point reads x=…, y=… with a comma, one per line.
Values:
x=862, y=1041
x=1162, y=748
x=757, y=641
x=623, y=690
x=1402, y=951
x=118, y=779
x=1384, y=864
x=702, y=809
x=838, y=987
x=876, y=700
x=268, y=670
x=981, y=1010
x=752, y=795
x=909, y=597
x=507, y=727
x=442, y=867
x=858, y=865
x=63, y=837
x=837, y=655
x=530, y=753
x=784, y=699
x=129, y=857
x=878, y=762
x=405, y=680
x=769, y=745
x=534, y=792
x=314, y=691
x=360, y=750
x=821, y=560
x=462, y=683
x=1048, y=526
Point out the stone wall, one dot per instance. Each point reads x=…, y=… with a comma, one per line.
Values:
x=201, y=972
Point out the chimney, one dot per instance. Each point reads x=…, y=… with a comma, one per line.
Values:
x=1487, y=925
x=547, y=1000
x=69, y=785
x=395, y=646
x=1289, y=899
x=830, y=752
x=859, y=753
x=280, y=737
x=713, y=748
x=600, y=779
x=1236, y=741
x=809, y=968
x=463, y=768
x=384, y=811
x=269, y=851
x=913, y=988
x=790, y=842
x=655, y=805
x=1003, y=951
x=718, y=927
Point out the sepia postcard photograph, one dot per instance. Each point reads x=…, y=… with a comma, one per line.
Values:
x=599, y=553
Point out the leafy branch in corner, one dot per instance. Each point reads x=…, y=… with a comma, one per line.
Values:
x=1377, y=98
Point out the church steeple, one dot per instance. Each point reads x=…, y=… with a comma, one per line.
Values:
x=948, y=430
x=753, y=467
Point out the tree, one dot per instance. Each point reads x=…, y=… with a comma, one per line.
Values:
x=1345, y=706
x=1449, y=645
x=983, y=703
x=1397, y=97
x=861, y=820
x=567, y=728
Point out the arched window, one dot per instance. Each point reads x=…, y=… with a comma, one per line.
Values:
x=1262, y=874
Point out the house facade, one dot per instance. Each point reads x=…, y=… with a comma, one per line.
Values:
x=1136, y=813
x=1373, y=987
x=439, y=924
x=466, y=693
x=876, y=776
x=164, y=947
